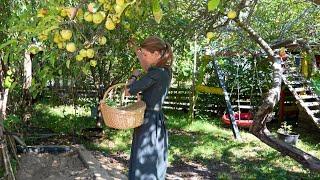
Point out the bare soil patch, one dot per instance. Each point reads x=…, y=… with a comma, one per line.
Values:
x=39, y=166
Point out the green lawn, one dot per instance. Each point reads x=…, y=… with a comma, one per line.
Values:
x=205, y=141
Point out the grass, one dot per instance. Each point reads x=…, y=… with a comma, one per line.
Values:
x=62, y=119
x=205, y=141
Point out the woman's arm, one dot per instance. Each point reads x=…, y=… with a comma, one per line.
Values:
x=130, y=81
x=145, y=82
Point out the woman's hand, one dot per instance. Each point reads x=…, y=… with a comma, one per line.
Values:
x=126, y=91
x=135, y=75
x=136, y=72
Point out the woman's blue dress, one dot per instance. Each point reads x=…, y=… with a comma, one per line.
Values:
x=149, y=151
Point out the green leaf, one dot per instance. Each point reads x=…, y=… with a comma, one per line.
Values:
x=213, y=4
x=68, y=63
x=7, y=43
x=165, y=3
x=157, y=11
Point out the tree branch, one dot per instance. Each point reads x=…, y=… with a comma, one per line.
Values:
x=315, y=1
x=264, y=112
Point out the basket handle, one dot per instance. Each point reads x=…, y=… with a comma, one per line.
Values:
x=114, y=86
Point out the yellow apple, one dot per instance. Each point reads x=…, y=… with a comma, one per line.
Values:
x=232, y=14
x=71, y=47
x=120, y=2
x=88, y=16
x=57, y=38
x=110, y=25
x=107, y=6
x=93, y=63
x=103, y=14
x=102, y=1
x=97, y=18
x=116, y=18
x=90, y=53
x=102, y=40
x=83, y=53
x=79, y=57
x=210, y=35
x=118, y=8
x=66, y=34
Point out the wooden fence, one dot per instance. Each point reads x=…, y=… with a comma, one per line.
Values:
x=177, y=99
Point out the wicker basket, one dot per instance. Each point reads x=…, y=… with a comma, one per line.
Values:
x=127, y=117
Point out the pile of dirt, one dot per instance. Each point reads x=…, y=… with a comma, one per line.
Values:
x=66, y=166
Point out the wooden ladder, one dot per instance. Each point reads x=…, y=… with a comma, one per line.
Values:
x=302, y=91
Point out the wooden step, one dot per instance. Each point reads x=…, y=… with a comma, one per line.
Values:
x=299, y=89
x=306, y=96
x=295, y=82
x=297, y=85
x=242, y=106
x=315, y=111
x=309, y=104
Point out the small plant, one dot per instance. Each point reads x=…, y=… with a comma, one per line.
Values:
x=111, y=103
x=285, y=128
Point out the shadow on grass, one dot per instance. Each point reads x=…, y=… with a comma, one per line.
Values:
x=197, y=151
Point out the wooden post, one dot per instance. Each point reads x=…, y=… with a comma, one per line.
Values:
x=193, y=91
x=233, y=123
x=281, y=105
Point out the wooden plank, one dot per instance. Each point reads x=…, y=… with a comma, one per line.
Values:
x=308, y=104
x=295, y=82
x=242, y=106
x=306, y=96
x=316, y=111
x=299, y=89
x=100, y=173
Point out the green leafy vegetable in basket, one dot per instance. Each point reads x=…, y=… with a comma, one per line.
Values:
x=111, y=103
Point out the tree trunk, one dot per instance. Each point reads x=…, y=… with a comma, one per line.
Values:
x=193, y=97
x=3, y=107
x=27, y=98
x=264, y=112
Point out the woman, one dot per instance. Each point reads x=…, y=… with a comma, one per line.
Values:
x=149, y=151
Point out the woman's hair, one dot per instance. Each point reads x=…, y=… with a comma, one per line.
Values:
x=154, y=43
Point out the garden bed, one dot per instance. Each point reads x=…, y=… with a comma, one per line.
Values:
x=77, y=163
x=38, y=166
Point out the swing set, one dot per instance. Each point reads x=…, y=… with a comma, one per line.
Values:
x=242, y=119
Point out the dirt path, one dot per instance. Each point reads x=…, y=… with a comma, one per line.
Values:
x=46, y=166
x=177, y=171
